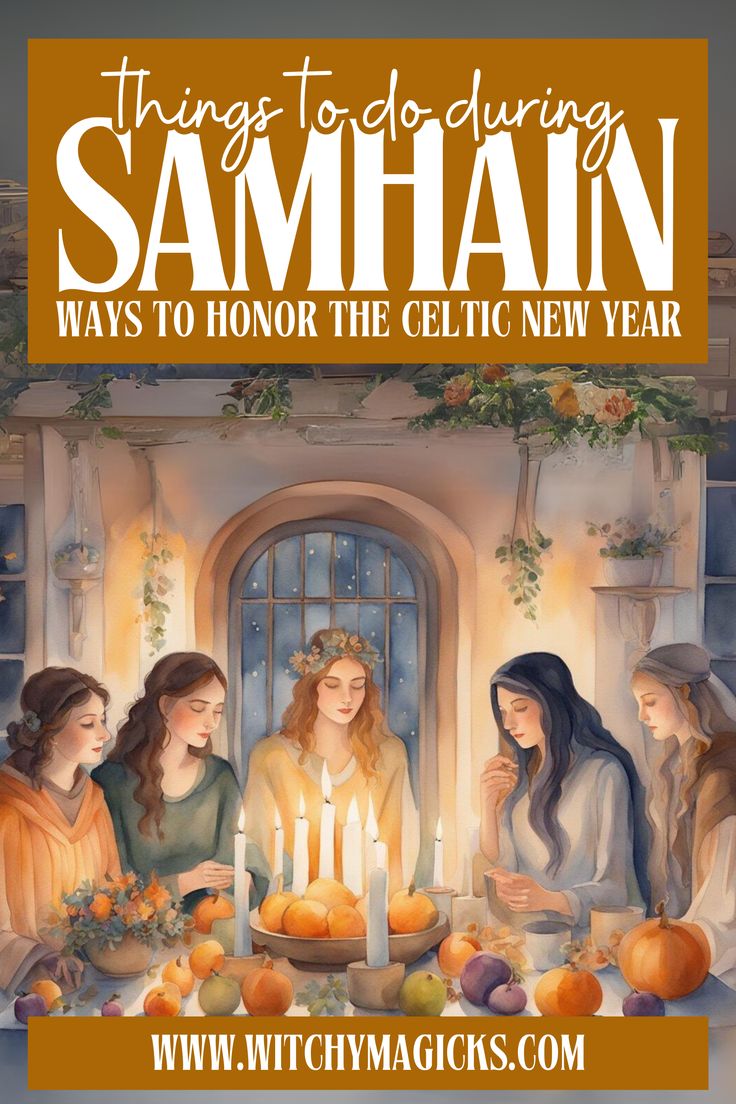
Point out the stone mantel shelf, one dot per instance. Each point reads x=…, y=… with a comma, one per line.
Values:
x=638, y=608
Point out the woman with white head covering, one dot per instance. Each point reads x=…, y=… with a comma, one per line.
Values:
x=693, y=796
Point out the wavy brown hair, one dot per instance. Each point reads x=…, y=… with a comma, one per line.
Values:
x=46, y=700
x=142, y=737
x=365, y=732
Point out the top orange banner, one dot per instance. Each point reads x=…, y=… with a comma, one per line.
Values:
x=311, y=201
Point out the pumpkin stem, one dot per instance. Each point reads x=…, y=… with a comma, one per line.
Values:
x=412, y=888
x=268, y=964
x=214, y=896
x=664, y=920
x=280, y=884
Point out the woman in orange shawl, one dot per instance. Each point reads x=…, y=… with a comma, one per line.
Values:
x=55, y=830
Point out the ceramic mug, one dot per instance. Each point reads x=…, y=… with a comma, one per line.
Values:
x=543, y=943
x=607, y=919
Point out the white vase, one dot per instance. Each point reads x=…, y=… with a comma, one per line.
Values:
x=633, y=571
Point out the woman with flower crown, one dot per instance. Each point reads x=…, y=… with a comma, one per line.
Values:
x=335, y=717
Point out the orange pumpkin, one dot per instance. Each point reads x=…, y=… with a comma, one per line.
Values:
x=669, y=958
x=210, y=908
x=267, y=992
x=568, y=991
x=410, y=911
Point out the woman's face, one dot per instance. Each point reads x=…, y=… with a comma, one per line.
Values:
x=521, y=717
x=194, y=717
x=85, y=733
x=658, y=707
x=341, y=692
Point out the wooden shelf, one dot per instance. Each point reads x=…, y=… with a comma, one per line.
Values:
x=643, y=593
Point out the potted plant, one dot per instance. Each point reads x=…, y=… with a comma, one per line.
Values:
x=632, y=551
x=117, y=924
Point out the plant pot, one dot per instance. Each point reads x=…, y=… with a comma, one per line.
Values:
x=634, y=571
x=128, y=958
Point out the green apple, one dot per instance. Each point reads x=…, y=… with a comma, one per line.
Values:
x=218, y=995
x=422, y=994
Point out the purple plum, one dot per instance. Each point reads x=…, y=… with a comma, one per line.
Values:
x=483, y=972
x=30, y=1004
x=643, y=1004
x=112, y=1007
x=507, y=1000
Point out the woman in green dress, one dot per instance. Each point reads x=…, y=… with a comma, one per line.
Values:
x=174, y=805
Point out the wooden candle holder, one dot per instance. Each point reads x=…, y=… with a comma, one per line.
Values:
x=375, y=987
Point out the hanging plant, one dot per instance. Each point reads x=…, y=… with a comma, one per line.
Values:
x=156, y=586
x=523, y=579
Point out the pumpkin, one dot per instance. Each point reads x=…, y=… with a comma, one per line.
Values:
x=266, y=992
x=568, y=991
x=210, y=908
x=410, y=911
x=669, y=958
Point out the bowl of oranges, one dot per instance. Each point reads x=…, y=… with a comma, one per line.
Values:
x=327, y=926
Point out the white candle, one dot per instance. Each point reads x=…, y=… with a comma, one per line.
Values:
x=327, y=828
x=352, y=851
x=438, y=878
x=278, y=845
x=243, y=944
x=300, y=878
x=370, y=838
x=377, y=947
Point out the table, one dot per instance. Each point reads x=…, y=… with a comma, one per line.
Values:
x=714, y=999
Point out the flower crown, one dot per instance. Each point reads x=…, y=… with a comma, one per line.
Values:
x=336, y=644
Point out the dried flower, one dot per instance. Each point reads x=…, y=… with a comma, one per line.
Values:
x=492, y=373
x=458, y=390
x=564, y=399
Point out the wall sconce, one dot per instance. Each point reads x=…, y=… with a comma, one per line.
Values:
x=77, y=551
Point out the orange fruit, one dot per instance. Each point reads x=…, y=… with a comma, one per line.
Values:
x=568, y=991
x=178, y=973
x=329, y=892
x=266, y=992
x=454, y=952
x=273, y=908
x=162, y=1000
x=47, y=989
x=345, y=922
x=410, y=911
x=307, y=919
x=206, y=957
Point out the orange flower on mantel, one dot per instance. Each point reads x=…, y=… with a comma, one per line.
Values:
x=564, y=399
x=615, y=408
x=458, y=390
x=492, y=373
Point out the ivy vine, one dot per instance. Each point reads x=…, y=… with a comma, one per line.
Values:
x=157, y=586
x=523, y=580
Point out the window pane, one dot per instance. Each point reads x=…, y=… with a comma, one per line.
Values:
x=402, y=584
x=403, y=711
x=256, y=581
x=12, y=540
x=316, y=617
x=722, y=465
x=255, y=672
x=317, y=556
x=11, y=683
x=726, y=670
x=346, y=585
x=720, y=539
x=373, y=627
x=287, y=568
x=287, y=638
x=372, y=568
x=12, y=617
x=345, y=616
x=720, y=619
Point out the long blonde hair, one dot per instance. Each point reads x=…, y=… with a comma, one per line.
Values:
x=366, y=731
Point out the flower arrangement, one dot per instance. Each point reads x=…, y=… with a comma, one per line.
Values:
x=626, y=539
x=120, y=906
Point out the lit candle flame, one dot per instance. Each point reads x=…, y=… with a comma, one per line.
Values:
x=241, y=821
x=326, y=782
x=302, y=806
x=353, y=814
x=371, y=824
x=438, y=830
x=276, y=818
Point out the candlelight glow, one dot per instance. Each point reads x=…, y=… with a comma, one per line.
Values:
x=326, y=782
x=241, y=821
x=302, y=806
x=353, y=814
x=277, y=819
x=371, y=824
x=438, y=831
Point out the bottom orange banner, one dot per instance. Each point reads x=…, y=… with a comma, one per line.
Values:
x=368, y=1053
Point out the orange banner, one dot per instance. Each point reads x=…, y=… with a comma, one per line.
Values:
x=368, y=1053
x=368, y=201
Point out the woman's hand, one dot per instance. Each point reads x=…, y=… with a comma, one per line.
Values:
x=520, y=893
x=497, y=780
x=66, y=969
x=206, y=875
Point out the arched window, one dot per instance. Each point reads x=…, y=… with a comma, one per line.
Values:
x=310, y=575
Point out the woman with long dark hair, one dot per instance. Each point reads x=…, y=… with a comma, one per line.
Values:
x=55, y=829
x=175, y=806
x=563, y=818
